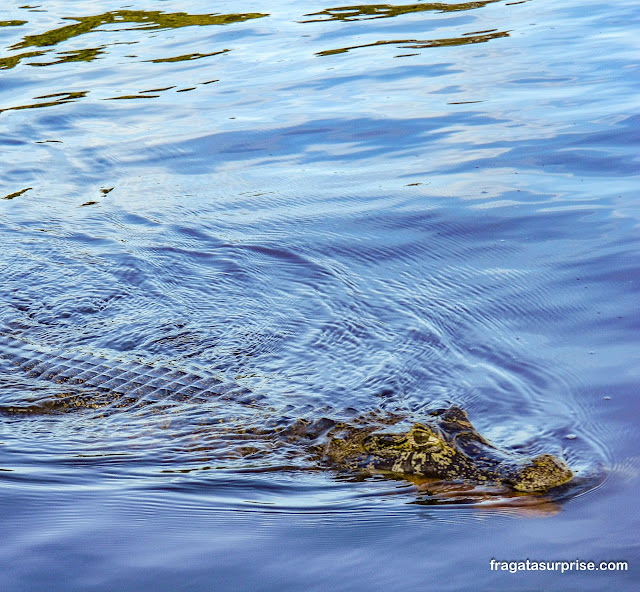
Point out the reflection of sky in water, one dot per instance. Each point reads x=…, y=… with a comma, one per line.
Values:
x=289, y=83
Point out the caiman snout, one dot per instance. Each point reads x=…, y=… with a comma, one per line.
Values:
x=541, y=473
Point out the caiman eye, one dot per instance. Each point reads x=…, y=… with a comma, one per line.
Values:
x=422, y=436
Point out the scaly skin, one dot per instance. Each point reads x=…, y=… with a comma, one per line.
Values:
x=447, y=448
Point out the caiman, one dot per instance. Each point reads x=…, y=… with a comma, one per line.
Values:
x=445, y=446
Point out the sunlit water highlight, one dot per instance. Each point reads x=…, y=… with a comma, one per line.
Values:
x=330, y=210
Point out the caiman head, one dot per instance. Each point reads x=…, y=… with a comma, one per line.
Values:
x=448, y=448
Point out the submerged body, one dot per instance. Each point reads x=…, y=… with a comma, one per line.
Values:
x=446, y=447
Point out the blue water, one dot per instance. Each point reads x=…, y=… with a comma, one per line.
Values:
x=336, y=210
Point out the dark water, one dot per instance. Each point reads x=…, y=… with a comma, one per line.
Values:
x=331, y=210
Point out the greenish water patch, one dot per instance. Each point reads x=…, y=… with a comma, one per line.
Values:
x=466, y=39
x=133, y=21
x=64, y=97
x=79, y=55
x=143, y=20
x=12, y=61
x=11, y=23
x=132, y=97
x=377, y=11
x=17, y=193
x=151, y=20
x=154, y=90
x=189, y=56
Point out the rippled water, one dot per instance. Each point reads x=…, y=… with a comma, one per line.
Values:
x=330, y=211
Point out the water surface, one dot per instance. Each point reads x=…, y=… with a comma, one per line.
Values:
x=331, y=210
